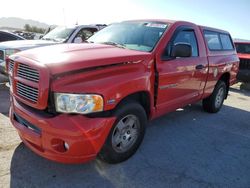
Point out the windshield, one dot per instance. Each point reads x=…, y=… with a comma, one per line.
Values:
x=243, y=48
x=59, y=34
x=141, y=36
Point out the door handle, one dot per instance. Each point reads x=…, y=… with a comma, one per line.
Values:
x=199, y=67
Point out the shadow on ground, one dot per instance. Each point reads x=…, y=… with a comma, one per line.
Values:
x=186, y=148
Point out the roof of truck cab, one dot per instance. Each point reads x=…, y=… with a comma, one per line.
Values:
x=241, y=42
x=156, y=20
x=182, y=21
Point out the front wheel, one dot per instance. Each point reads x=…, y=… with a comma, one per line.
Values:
x=214, y=102
x=126, y=134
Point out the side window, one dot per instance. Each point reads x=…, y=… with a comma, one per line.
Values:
x=242, y=48
x=213, y=40
x=6, y=37
x=226, y=42
x=85, y=33
x=1, y=37
x=187, y=36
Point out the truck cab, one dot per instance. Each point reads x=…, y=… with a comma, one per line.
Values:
x=71, y=103
x=243, y=51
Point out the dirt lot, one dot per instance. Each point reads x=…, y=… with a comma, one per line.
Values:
x=188, y=148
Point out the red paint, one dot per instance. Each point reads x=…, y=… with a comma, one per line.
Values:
x=244, y=56
x=73, y=68
x=85, y=136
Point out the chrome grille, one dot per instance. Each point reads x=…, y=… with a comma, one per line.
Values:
x=27, y=92
x=11, y=65
x=28, y=73
x=11, y=84
x=244, y=63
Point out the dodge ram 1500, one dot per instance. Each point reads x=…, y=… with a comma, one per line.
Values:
x=73, y=102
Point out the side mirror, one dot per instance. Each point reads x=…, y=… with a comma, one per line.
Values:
x=181, y=50
x=78, y=40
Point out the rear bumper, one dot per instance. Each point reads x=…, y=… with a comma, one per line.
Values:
x=244, y=75
x=47, y=136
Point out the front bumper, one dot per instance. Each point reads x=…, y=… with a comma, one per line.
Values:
x=46, y=135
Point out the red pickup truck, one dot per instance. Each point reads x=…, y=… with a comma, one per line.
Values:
x=243, y=50
x=73, y=102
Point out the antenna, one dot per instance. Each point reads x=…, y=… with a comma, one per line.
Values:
x=64, y=17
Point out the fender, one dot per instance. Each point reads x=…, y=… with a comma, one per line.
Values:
x=113, y=82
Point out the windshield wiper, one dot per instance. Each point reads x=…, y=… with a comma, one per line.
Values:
x=114, y=44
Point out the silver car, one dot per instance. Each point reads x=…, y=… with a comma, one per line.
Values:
x=61, y=34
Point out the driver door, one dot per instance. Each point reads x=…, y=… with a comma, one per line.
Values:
x=180, y=78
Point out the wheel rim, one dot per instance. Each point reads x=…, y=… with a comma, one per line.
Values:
x=219, y=98
x=125, y=133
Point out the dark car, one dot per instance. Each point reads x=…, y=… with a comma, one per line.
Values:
x=243, y=50
x=8, y=36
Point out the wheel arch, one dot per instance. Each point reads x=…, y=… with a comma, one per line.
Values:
x=225, y=77
x=142, y=97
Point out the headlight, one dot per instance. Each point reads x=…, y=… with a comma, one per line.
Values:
x=9, y=52
x=5, y=55
x=78, y=103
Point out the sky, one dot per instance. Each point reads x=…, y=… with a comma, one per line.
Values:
x=230, y=15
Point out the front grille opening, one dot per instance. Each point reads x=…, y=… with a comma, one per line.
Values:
x=43, y=113
x=28, y=73
x=28, y=92
x=245, y=64
x=26, y=124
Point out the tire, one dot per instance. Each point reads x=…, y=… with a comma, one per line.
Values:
x=214, y=102
x=126, y=134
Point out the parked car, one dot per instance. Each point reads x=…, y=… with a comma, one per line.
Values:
x=8, y=36
x=71, y=103
x=243, y=50
x=61, y=34
x=26, y=34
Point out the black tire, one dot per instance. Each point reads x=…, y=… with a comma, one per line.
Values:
x=110, y=151
x=214, y=102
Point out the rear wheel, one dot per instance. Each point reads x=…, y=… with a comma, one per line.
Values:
x=126, y=134
x=214, y=102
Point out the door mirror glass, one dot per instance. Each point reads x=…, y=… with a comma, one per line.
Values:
x=181, y=50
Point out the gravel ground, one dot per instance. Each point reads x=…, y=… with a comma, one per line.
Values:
x=186, y=148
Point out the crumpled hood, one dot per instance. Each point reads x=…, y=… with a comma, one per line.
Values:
x=68, y=57
x=25, y=44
